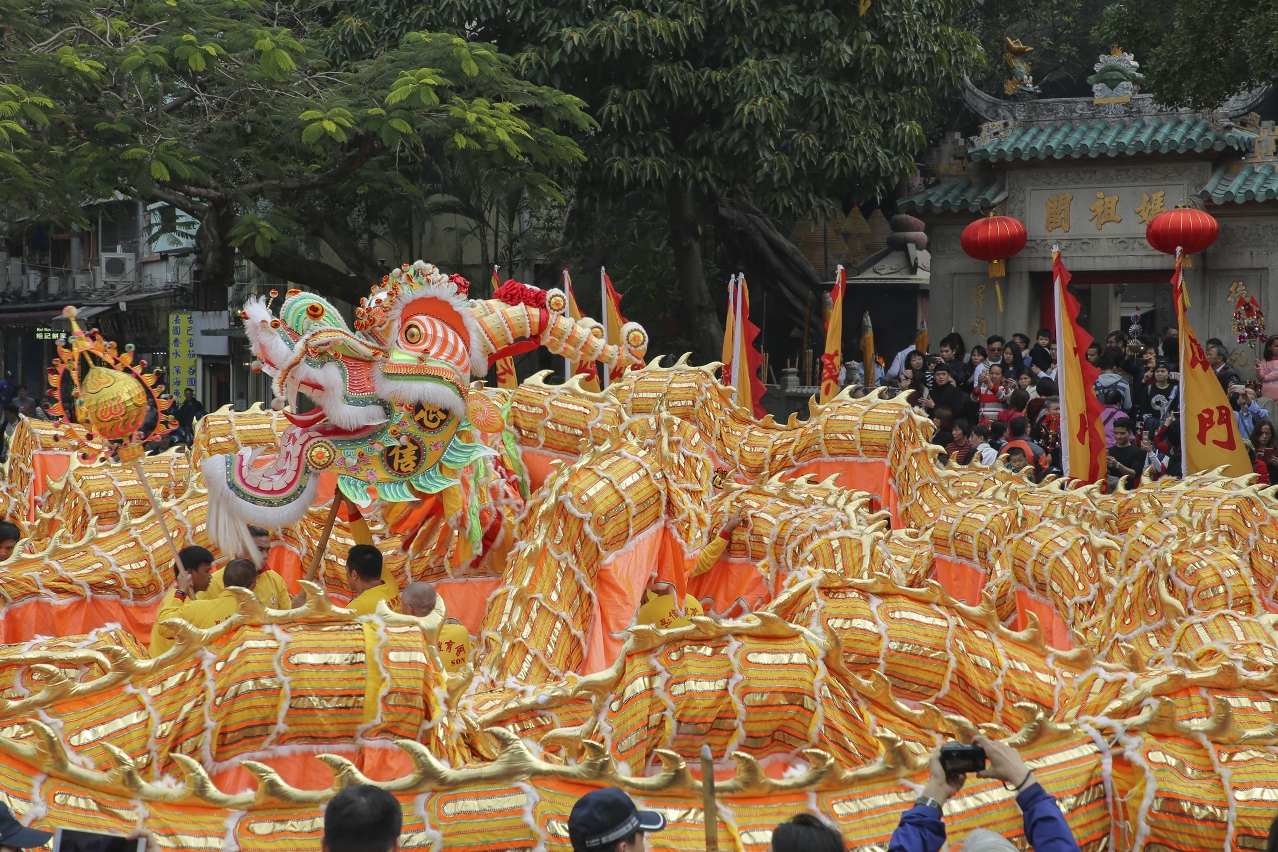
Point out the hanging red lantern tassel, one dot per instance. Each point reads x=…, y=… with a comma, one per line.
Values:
x=994, y=239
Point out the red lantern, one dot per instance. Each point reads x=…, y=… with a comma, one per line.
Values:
x=994, y=239
x=1187, y=228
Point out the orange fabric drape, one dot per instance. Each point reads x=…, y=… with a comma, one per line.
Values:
x=963, y=580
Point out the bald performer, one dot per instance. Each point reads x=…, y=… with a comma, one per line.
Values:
x=418, y=599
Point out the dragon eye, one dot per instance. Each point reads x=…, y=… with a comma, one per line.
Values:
x=413, y=333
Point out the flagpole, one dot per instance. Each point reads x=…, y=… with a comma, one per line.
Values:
x=603, y=310
x=568, y=304
x=1182, y=334
x=1060, y=354
x=738, y=335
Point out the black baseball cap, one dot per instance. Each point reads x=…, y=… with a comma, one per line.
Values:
x=18, y=836
x=603, y=817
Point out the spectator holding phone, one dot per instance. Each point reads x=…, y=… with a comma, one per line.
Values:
x=922, y=830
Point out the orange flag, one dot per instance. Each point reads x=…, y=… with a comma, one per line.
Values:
x=506, y=377
x=1082, y=435
x=588, y=370
x=833, y=357
x=1208, y=431
x=612, y=318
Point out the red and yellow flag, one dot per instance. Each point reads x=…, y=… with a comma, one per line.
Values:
x=612, y=318
x=506, y=377
x=1082, y=435
x=741, y=361
x=588, y=370
x=832, y=360
x=1208, y=430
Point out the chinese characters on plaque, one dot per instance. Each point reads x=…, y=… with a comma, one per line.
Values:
x=1108, y=209
x=182, y=360
x=978, y=302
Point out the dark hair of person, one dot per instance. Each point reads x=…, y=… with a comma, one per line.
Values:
x=1171, y=350
x=1045, y=387
x=806, y=833
x=941, y=368
x=1018, y=426
x=194, y=556
x=963, y=426
x=1255, y=438
x=12, y=408
x=1093, y=345
x=994, y=338
x=1112, y=397
x=978, y=349
x=1124, y=423
x=1017, y=451
x=239, y=572
x=362, y=818
x=1018, y=399
x=981, y=432
x=1116, y=355
x=1118, y=334
x=1044, y=332
x=366, y=561
x=258, y=532
x=1104, y=362
x=998, y=429
x=1017, y=364
x=9, y=532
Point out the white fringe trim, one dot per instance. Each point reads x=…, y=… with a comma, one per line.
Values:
x=229, y=516
x=426, y=391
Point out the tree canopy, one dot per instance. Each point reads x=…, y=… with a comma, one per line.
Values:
x=793, y=106
x=272, y=130
x=1228, y=44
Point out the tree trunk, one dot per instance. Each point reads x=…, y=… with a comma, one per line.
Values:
x=767, y=256
x=217, y=255
x=704, y=327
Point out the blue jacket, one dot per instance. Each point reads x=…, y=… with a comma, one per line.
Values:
x=921, y=828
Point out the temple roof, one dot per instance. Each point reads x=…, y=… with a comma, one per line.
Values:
x=971, y=194
x=1239, y=182
x=1172, y=134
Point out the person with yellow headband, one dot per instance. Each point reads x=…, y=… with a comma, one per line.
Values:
x=658, y=609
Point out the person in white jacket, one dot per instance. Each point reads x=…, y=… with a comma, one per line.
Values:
x=984, y=452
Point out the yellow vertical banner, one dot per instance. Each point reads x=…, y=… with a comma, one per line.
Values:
x=182, y=360
x=1208, y=430
x=832, y=360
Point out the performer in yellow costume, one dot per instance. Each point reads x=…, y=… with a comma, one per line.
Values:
x=270, y=588
x=193, y=576
x=203, y=614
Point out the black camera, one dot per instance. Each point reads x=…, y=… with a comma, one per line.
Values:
x=957, y=758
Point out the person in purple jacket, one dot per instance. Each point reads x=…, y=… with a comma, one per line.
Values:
x=921, y=828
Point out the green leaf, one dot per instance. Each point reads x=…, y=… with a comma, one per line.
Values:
x=158, y=170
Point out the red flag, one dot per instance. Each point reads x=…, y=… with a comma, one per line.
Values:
x=1082, y=435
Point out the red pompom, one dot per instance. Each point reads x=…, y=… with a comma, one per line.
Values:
x=462, y=285
x=515, y=293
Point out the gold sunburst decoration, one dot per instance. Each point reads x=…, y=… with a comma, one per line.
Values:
x=105, y=391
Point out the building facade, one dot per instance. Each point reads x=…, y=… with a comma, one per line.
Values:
x=1087, y=175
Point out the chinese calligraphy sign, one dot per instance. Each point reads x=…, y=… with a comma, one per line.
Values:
x=1151, y=205
x=182, y=360
x=1105, y=210
x=1057, y=213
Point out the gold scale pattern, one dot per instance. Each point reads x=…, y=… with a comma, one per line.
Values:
x=1153, y=723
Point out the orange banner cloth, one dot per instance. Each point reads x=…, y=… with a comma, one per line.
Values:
x=1083, y=444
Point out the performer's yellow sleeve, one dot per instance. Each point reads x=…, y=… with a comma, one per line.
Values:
x=709, y=555
x=162, y=639
x=360, y=532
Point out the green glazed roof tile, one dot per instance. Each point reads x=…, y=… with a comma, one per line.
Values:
x=1102, y=137
x=965, y=194
x=1249, y=183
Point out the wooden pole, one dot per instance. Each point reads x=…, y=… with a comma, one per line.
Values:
x=159, y=514
x=313, y=569
x=708, y=804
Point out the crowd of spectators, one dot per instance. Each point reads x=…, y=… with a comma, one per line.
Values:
x=998, y=401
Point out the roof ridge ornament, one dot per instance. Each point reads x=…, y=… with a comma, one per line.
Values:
x=991, y=108
x=1117, y=78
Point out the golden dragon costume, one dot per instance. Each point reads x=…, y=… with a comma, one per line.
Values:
x=876, y=604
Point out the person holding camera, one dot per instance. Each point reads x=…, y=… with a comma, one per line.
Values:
x=922, y=830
